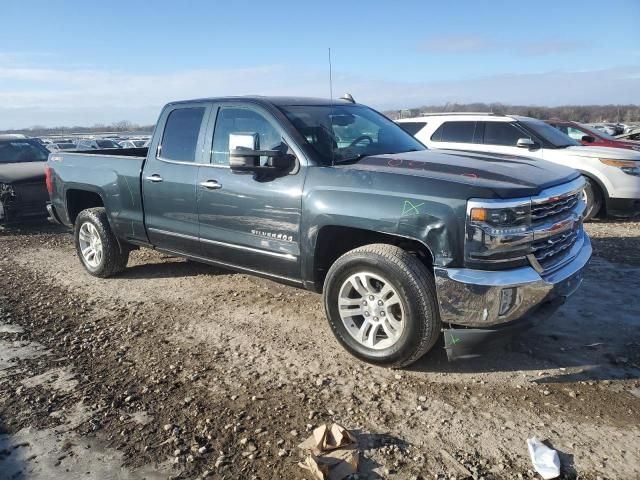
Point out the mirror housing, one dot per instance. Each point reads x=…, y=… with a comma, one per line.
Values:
x=244, y=155
x=588, y=139
x=526, y=143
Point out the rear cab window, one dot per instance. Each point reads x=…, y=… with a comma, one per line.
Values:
x=181, y=132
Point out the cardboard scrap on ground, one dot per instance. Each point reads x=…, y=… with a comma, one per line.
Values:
x=332, y=453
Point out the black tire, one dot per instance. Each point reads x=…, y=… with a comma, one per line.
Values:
x=415, y=286
x=593, y=197
x=114, y=259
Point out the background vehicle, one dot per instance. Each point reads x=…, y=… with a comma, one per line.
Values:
x=590, y=136
x=336, y=198
x=608, y=128
x=612, y=174
x=23, y=194
x=56, y=147
x=131, y=143
x=633, y=135
x=99, y=144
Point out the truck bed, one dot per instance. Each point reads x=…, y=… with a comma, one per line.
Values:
x=114, y=175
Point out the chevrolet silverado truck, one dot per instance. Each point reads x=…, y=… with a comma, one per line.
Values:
x=406, y=245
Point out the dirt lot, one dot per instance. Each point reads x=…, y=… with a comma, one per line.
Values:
x=180, y=370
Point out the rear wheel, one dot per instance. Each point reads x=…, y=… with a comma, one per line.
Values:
x=381, y=305
x=97, y=246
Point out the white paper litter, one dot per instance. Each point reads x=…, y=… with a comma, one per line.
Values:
x=545, y=460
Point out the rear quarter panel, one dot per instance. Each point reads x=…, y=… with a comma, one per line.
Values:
x=116, y=179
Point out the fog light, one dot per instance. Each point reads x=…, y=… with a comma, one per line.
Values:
x=508, y=298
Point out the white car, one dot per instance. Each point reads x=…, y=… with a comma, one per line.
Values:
x=612, y=174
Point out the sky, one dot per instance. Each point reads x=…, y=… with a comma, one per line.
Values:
x=83, y=63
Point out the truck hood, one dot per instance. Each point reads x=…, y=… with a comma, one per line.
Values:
x=508, y=176
x=594, y=152
x=22, y=172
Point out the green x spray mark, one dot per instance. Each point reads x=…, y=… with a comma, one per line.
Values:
x=454, y=339
x=409, y=208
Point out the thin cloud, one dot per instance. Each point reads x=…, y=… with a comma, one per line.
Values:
x=550, y=47
x=483, y=44
x=457, y=44
x=52, y=97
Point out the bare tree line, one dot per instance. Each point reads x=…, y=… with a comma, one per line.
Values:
x=121, y=126
x=578, y=113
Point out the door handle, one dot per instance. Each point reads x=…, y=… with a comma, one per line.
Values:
x=211, y=185
x=155, y=178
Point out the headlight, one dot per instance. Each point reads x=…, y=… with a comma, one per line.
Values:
x=630, y=167
x=498, y=232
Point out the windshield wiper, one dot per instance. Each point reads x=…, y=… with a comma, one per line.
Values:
x=355, y=158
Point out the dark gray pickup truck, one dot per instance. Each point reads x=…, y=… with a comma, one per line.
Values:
x=331, y=196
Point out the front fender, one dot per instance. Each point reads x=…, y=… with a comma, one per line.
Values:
x=379, y=203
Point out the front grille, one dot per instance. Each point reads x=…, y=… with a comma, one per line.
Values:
x=552, y=250
x=553, y=207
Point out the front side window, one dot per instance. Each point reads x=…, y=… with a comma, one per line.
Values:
x=551, y=136
x=347, y=132
x=181, y=132
x=501, y=133
x=575, y=133
x=242, y=120
x=455, y=132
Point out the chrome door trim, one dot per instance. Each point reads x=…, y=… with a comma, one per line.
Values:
x=232, y=266
x=285, y=256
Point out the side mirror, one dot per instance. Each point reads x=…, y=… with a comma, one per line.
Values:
x=244, y=155
x=588, y=139
x=526, y=143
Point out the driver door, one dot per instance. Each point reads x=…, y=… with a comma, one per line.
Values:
x=248, y=220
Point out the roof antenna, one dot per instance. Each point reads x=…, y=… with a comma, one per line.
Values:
x=331, y=106
x=330, y=79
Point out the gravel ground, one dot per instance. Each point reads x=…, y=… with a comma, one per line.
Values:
x=180, y=370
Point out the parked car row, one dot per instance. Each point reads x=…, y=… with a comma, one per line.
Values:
x=57, y=144
x=611, y=168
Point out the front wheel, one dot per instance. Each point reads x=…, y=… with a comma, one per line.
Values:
x=97, y=246
x=593, y=198
x=381, y=305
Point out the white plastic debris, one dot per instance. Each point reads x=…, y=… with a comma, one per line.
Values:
x=545, y=460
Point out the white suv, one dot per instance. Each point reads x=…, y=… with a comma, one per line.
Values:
x=612, y=174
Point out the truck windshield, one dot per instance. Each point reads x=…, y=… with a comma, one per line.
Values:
x=341, y=133
x=19, y=151
x=554, y=137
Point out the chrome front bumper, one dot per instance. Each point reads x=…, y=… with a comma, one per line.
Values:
x=484, y=299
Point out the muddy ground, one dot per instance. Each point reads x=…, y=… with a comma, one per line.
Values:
x=180, y=370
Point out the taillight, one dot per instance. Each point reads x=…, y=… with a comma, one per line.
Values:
x=48, y=179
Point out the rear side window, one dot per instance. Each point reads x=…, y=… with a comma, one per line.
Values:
x=412, y=127
x=456, y=132
x=181, y=134
x=502, y=133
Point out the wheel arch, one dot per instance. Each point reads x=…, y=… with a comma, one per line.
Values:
x=333, y=241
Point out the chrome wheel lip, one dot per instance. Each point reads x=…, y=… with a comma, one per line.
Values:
x=371, y=310
x=90, y=245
